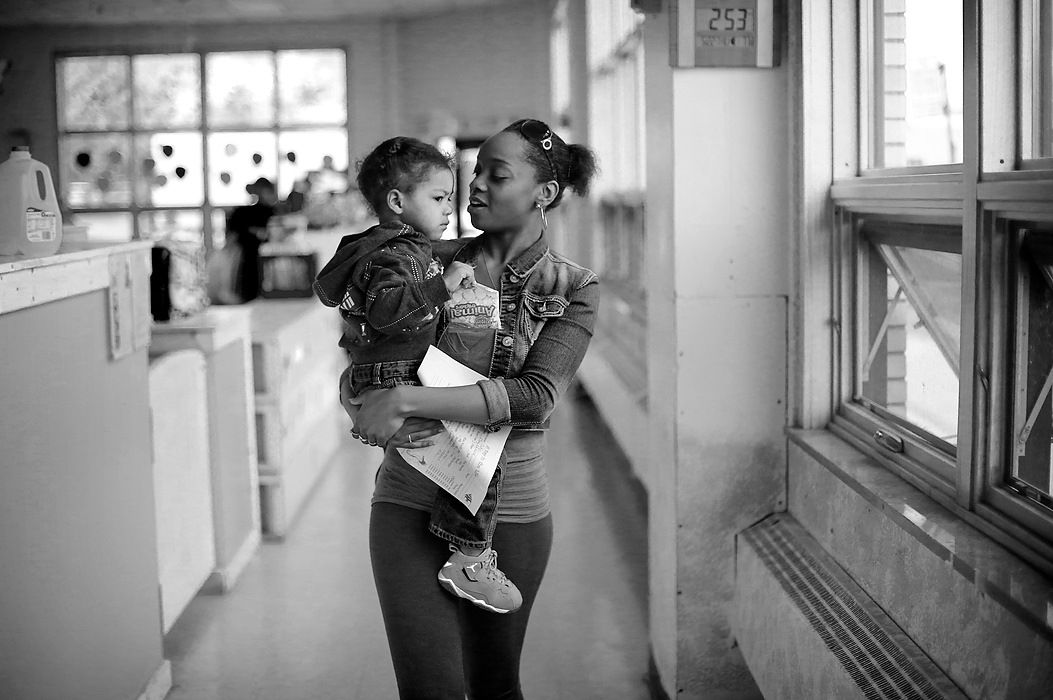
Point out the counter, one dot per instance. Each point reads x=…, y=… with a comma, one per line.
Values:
x=78, y=559
x=78, y=268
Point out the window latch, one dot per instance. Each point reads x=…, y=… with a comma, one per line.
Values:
x=889, y=441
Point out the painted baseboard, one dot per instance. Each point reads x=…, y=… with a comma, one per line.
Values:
x=160, y=684
x=222, y=580
x=619, y=408
x=654, y=679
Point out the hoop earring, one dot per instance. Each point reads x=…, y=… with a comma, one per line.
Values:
x=544, y=219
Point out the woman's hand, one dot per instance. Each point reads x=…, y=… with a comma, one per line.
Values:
x=347, y=397
x=416, y=432
x=381, y=419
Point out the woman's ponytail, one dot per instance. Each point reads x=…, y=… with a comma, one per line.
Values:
x=582, y=168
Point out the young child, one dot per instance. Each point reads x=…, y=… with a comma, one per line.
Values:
x=390, y=291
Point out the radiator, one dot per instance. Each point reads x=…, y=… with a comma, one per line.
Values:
x=808, y=631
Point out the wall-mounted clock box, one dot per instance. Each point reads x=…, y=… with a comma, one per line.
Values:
x=725, y=33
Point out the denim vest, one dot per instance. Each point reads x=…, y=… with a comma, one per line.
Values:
x=536, y=288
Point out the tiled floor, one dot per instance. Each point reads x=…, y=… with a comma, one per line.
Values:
x=303, y=622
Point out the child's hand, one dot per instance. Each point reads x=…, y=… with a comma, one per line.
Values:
x=458, y=274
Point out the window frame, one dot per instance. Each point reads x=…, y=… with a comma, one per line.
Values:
x=994, y=189
x=207, y=208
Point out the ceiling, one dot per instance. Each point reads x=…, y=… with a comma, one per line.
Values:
x=118, y=12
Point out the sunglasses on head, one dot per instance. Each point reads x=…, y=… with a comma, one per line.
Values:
x=537, y=132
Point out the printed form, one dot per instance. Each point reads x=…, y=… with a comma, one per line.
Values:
x=464, y=457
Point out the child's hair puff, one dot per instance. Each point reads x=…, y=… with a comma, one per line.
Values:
x=400, y=163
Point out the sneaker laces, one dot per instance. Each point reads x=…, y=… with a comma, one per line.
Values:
x=492, y=572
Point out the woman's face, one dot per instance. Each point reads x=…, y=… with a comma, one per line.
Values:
x=503, y=193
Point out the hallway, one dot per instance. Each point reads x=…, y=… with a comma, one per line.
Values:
x=303, y=622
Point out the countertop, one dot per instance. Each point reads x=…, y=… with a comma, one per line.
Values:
x=77, y=268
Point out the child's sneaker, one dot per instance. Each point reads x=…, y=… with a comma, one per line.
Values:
x=479, y=580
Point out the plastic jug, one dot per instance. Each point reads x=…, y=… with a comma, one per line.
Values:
x=30, y=221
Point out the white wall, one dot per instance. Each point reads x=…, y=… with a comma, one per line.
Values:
x=718, y=212
x=474, y=71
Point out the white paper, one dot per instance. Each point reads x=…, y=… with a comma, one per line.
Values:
x=122, y=306
x=464, y=457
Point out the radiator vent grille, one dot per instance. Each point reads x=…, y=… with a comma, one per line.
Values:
x=873, y=656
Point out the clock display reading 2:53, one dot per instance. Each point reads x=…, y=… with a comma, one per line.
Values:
x=730, y=19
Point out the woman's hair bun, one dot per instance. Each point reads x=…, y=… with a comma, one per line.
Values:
x=582, y=168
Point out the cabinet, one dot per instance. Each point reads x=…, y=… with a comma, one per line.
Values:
x=296, y=363
x=222, y=335
x=186, y=551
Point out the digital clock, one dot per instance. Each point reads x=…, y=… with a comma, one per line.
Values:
x=724, y=33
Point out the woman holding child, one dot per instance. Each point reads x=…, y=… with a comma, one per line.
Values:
x=443, y=646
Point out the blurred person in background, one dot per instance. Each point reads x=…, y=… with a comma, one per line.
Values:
x=247, y=228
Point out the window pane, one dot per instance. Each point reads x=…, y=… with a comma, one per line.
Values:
x=312, y=87
x=1043, y=83
x=96, y=170
x=185, y=226
x=1033, y=424
x=219, y=228
x=93, y=93
x=169, y=171
x=910, y=316
x=167, y=91
x=181, y=233
x=107, y=226
x=236, y=159
x=322, y=152
x=466, y=159
x=918, y=72
x=240, y=89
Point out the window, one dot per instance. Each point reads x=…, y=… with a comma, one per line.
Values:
x=917, y=83
x=1037, y=101
x=909, y=317
x=617, y=131
x=154, y=145
x=616, y=116
x=1030, y=472
x=944, y=256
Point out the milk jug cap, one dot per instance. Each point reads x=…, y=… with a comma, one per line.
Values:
x=20, y=151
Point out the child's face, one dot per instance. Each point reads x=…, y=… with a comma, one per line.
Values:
x=429, y=205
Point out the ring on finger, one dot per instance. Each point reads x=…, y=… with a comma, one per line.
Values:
x=410, y=438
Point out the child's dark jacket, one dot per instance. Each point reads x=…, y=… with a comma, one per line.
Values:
x=380, y=281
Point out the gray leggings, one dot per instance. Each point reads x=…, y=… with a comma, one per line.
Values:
x=442, y=647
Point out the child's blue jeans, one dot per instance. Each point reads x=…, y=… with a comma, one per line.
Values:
x=450, y=520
